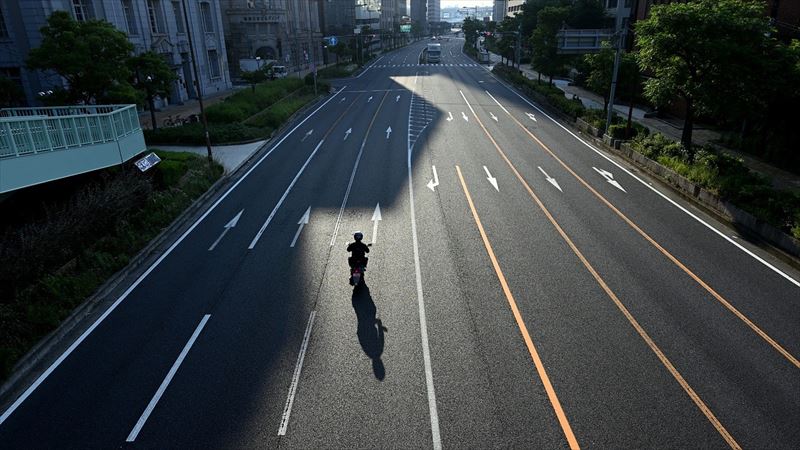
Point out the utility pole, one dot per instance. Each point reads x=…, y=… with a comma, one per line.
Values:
x=519, y=44
x=620, y=34
x=197, y=81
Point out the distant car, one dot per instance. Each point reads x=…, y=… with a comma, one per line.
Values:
x=279, y=72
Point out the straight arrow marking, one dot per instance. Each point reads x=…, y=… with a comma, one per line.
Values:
x=376, y=217
x=347, y=133
x=493, y=116
x=435, y=181
x=397, y=99
x=343, y=99
x=307, y=135
x=369, y=99
x=464, y=115
x=450, y=117
x=491, y=179
x=302, y=222
x=228, y=226
x=388, y=132
x=550, y=179
x=610, y=178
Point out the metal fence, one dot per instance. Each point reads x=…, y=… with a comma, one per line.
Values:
x=25, y=131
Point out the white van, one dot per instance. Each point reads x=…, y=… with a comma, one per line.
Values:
x=279, y=72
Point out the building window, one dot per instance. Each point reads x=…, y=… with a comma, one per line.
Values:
x=83, y=10
x=208, y=19
x=178, y=12
x=154, y=16
x=213, y=63
x=130, y=19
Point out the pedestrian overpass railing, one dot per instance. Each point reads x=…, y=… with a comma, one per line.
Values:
x=43, y=144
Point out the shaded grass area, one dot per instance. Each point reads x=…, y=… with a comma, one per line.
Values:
x=341, y=70
x=248, y=115
x=69, y=243
x=727, y=177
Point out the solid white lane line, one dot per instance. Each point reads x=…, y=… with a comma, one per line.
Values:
x=423, y=323
x=141, y=278
x=675, y=204
x=149, y=409
x=298, y=368
x=283, y=197
x=370, y=67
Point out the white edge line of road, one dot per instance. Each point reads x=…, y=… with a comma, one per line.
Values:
x=163, y=387
x=368, y=67
x=298, y=368
x=426, y=352
x=662, y=195
x=136, y=283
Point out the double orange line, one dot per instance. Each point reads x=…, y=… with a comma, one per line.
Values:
x=534, y=355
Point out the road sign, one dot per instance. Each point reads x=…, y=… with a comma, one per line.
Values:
x=333, y=40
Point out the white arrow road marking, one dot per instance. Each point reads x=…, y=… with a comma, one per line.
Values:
x=369, y=99
x=464, y=115
x=307, y=135
x=491, y=179
x=397, y=99
x=347, y=133
x=435, y=181
x=302, y=222
x=388, y=132
x=283, y=197
x=610, y=178
x=376, y=217
x=550, y=179
x=532, y=117
x=493, y=116
x=228, y=226
x=343, y=99
x=450, y=116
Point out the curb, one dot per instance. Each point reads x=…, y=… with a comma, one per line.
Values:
x=41, y=355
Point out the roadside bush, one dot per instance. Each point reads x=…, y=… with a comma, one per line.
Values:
x=554, y=96
x=337, y=71
x=618, y=130
x=729, y=178
x=276, y=115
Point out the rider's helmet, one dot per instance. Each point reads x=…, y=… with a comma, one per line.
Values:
x=358, y=235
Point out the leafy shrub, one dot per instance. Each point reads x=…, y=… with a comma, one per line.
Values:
x=167, y=172
x=617, y=131
x=555, y=96
x=337, y=71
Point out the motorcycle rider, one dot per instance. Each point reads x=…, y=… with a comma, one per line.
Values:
x=359, y=251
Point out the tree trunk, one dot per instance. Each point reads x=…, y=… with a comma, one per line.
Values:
x=150, y=102
x=630, y=119
x=688, y=125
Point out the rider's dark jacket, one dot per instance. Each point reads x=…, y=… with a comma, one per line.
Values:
x=359, y=250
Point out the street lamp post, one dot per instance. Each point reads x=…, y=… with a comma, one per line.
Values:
x=197, y=82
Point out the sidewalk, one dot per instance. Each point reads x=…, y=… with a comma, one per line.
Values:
x=781, y=179
x=229, y=156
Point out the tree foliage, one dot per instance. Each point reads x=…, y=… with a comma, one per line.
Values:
x=601, y=67
x=10, y=93
x=545, y=45
x=91, y=56
x=151, y=74
x=709, y=53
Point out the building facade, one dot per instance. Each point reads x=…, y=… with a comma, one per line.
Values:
x=156, y=25
x=285, y=32
x=499, y=10
x=434, y=11
x=419, y=14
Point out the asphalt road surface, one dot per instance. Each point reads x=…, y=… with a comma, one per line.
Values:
x=524, y=290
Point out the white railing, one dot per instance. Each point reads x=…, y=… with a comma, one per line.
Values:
x=26, y=131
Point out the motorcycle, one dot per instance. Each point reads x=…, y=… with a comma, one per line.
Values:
x=357, y=275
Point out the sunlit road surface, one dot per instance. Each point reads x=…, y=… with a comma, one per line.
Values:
x=524, y=290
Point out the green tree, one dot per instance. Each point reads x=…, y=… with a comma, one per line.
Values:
x=709, y=53
x=587, y=14
x=257, y=76
x=152, y=77
x=529, y=17
x=91, y=56
x=601, y=68
x=546, y=59
x=10, y=93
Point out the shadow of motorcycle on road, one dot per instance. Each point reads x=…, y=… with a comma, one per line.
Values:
x=370, y=329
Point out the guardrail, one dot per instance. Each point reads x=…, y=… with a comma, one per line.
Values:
x=25, y=131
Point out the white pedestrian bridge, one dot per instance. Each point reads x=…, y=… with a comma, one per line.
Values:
x=38, y=145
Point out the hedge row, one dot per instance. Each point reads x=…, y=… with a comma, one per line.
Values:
x=553, y=95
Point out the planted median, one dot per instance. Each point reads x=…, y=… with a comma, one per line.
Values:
x=248, y=115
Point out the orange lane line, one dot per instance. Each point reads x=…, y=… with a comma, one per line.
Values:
x=646, y=337
x=537, y=361
x=666, y=253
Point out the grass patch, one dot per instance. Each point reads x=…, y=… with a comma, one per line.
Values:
x=727, y=177
x=341, y=70
x=552, y=95
x=239, y=118
x=63, y=254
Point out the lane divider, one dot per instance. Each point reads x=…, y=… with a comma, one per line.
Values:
x=646, y=337
x=298, y=369
x=537, y=361
x=297, y=176
x=658, y=246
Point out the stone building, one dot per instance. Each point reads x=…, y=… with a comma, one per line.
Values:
x=286, y=32
x=156, y=25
